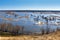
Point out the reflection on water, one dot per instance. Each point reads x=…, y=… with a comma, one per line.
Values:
x=33, y=22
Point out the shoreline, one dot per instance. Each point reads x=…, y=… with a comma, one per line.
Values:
x=51, y=36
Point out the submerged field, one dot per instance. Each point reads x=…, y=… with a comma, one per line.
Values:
x=51, y=36
x=28, y=24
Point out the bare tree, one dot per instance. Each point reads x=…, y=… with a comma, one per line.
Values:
x=17, y=29
x=47, y=30
x=3, y=27
x=46, y=19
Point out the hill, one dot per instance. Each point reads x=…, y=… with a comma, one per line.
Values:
x=51, y=36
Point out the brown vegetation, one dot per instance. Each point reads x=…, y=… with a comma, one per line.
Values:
x=8, y=27
x=51, y=36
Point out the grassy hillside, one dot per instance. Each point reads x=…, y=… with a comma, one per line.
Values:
x=51, y=36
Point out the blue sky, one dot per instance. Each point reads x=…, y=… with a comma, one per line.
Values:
x=29, y=4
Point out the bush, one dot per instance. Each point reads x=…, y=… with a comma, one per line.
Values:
x=10, y=28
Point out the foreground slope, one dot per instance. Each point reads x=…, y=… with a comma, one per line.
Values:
x=51, y=36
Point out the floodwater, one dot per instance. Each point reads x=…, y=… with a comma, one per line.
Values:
x=30, y=21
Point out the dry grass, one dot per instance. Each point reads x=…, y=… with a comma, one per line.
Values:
x=51, y=36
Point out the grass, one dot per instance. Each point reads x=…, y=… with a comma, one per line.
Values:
x=51, y=36
x=7, y=34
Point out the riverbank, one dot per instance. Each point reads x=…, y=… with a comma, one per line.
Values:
x=51, y=36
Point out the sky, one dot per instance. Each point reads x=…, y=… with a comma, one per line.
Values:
x=29, y=4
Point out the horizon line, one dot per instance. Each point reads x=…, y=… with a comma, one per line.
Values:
x=30, y=10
